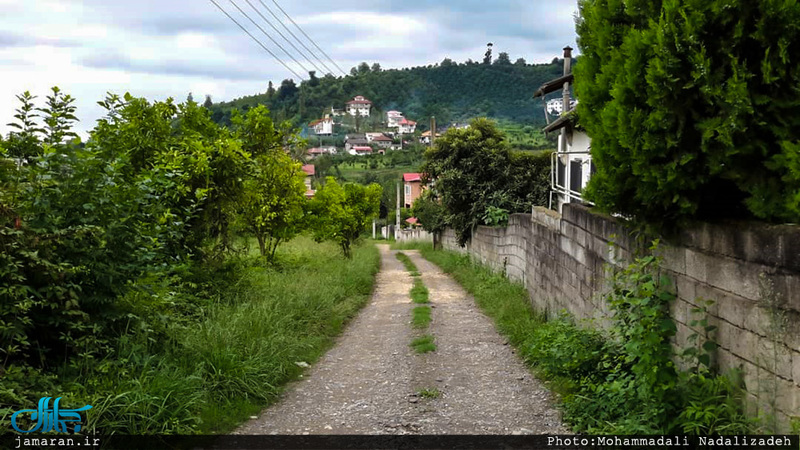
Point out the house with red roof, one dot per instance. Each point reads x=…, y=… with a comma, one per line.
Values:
x=392, y=118
x=405, y=126
x=310, y=171
x=412, y=188
x=359, y=106
x=323, y=127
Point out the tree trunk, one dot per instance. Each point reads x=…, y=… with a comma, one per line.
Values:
x=262, y=245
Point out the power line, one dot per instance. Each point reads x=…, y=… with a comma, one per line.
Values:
x=257, y=41
x=309, y=38
x=283, y=36
x=270, y=37
x=310, y=52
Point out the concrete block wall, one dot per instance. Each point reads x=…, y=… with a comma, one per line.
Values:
x=750, y=271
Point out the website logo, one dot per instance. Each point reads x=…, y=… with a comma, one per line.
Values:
x=50, y=419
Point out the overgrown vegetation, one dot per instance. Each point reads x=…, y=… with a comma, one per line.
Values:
x=621, y=381
x=479, y=181
x=115, y=253
x=424, y=344
x=692, y=108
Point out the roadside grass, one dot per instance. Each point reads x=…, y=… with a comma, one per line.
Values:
x=233, y=361
x=429, y=393
x=411, y=245
x=590, y=371
x=422, y=317
x=419, y=293
x=424, y=344
x=410, y=266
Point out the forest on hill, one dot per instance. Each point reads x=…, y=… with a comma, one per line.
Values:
x=448, y=90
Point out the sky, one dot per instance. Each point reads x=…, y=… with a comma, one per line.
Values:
x=168, y=48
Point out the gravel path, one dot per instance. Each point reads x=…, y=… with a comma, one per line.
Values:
x=368, y=382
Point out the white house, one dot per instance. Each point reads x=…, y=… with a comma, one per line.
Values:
x=571, y=166
x=336, y=112
x=393, y=118
x=359, y=106
x=556, y=105
x=323, y=127
x=406, y=126
x=360, y=150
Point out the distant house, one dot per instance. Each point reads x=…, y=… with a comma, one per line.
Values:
x=323, y=127
x=406, y=126
x=359, y=106
x=571, y=165
x=337, y=112
x=382, y=141
x=352, y=140
x=360, y=150
x=393, y=118
x=319, y=151
x=413, y=221
x=556, y=105
x=425, y=138
x=412, y=188
x=309, y=170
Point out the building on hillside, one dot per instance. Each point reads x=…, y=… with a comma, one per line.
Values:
x=323, y=127
x=309, y=170
x=555, y=106
x=382, y=141
x=319, y=151
x=425, y=138
x=337, y=112
x=406, y=126
x=393, y=118
x=412, y=188
x=359, y=106
x=571, y=165
x=352, y=140
x=360, y=150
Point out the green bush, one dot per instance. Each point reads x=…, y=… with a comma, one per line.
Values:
x=691, y=107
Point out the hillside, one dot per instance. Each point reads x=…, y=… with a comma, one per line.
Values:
x=448, y=90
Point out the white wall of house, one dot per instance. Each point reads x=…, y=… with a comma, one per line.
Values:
x=358, y=109
x=572, y=153
x=324, y=128
x=406, y=129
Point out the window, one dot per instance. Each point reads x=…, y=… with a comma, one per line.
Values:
x=408, y=190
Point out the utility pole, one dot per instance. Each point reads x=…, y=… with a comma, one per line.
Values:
x=433, y=129
x=397, y=225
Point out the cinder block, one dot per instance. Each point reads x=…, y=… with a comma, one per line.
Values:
x=760, y=321
x=774, y=357
x=796, y=367
x=674, y=259
x=733, y=276
x=696, y=265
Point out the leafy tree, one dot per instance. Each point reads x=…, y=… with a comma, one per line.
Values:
x=520, y=62
x=208, y=103
x=503, y=59
x=430, y=212
x=24, y=143
x=288, y=90
x=189, y=98
x=376, y=67
x=58, y=116
x=477, y=177
x=313, y=81
x=273, y=201
x=342, y=212
x=691, y=107
x=270, y=90
x=363, y=68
